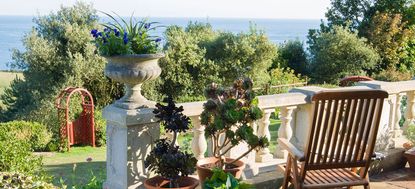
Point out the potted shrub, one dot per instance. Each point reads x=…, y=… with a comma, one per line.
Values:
x=228, y=115
x=409, y=146
x=172, y=165
x=132, y=55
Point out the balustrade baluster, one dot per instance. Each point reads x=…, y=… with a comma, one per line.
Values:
x=410, y=109
x=199, y=144
x=264, y=154
x=397, y=132
x=285, y=130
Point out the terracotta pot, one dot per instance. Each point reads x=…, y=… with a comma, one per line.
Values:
x=203, y=172
x=133, y=70
x=160, y=182
x=410, y=156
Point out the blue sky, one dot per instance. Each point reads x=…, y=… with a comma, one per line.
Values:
x=294, y=9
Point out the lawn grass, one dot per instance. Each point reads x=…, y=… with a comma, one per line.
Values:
x=273, y=129
x=73, y=166
x=5, y=79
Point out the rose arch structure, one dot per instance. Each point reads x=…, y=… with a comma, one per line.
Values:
x=81, y=130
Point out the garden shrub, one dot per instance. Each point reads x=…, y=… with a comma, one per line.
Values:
x=247, y=54
x=393, y=75
x=22, y=181
x=339, y=53
x=100, y=128
x=33, y=133
x=186, y=71
x=282, y=76
x=16, y=156
x=293, y=55
x=197, y=56
x=388, y=34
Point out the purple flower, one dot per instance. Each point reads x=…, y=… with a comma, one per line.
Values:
x=106, y=30
x=94, y=33
x=116, y=32
x=147, y=25
x=157, y=40
x=99, y=34
x=125, y=38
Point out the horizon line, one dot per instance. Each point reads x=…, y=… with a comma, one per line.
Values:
x=197, y=17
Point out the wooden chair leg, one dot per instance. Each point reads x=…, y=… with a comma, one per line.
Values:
x=287, y=174
x=368, y=185
x=296, y=180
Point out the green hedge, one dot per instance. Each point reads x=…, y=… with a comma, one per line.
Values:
x=33, y=133
x=100, y=128
x=16, y=156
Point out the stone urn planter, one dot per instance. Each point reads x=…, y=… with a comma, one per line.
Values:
x=158, y=182
x=133, y=71
x=410, y=156
x=204, y=168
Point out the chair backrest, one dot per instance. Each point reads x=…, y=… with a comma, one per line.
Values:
x=344, y=129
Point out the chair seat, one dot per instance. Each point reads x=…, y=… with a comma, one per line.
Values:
x=329, y=178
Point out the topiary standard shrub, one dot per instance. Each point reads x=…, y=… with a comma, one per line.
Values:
x=166, y=158
x=36, y=135
x=230, y=113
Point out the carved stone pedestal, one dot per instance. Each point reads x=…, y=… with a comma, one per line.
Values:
x=130, y=135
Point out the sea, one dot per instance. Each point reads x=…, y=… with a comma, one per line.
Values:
x=14, y=28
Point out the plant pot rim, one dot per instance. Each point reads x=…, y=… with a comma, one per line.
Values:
x=239, y=163
x=157, y=179
x=143, y=56
x=411, y=151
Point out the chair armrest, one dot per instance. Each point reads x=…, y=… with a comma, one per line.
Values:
x=286, y=145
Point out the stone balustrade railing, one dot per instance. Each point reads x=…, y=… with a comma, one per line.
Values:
x=295, y=113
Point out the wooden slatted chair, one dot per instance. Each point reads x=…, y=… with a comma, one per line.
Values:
x=340, y=142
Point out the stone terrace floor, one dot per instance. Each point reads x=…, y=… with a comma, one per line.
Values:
x=399, y=179
x=403, y=178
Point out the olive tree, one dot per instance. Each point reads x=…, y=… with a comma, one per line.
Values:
x=339, y=53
